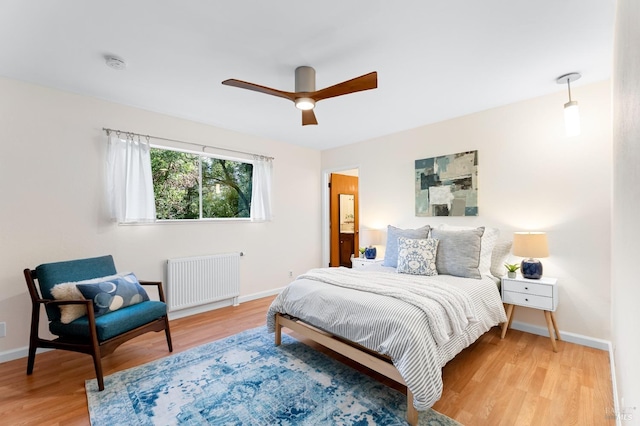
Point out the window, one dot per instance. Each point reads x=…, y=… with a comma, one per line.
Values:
x=192, y=186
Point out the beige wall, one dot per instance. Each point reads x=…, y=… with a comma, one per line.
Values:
x=52, y=153
x=625, y=305
x=531, y=177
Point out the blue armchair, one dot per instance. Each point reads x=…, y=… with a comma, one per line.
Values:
x=97, y=333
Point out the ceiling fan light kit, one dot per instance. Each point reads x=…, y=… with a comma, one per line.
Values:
x=305, y=103
x=306, y=95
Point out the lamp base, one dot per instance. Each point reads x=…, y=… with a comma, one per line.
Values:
x=531, y=268
x=370, y=252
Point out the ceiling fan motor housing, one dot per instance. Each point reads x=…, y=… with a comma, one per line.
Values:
x=305, y=79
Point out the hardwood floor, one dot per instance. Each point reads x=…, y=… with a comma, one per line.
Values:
x=515, y=381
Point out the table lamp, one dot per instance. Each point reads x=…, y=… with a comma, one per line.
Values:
x=371, y=238
x=530, y=245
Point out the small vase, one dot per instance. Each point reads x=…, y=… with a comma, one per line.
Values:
x=511, y=274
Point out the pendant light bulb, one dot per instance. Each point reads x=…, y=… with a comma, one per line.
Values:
x=571, y=112
x=572, y=119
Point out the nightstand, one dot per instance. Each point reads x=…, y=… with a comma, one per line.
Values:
x=363, y=262
x=539, y=294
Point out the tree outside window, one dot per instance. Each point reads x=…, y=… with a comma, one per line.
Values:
x=191, y=186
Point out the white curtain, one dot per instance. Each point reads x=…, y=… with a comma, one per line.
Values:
x=261, y=192
x=129, y=181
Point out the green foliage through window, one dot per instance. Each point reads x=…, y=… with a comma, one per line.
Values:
x=177, y=176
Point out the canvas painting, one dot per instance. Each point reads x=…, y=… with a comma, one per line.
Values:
x=447, y=185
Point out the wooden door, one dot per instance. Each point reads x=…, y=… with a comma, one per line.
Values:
x=342, y=184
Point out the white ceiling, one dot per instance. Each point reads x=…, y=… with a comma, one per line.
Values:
x=435, y=59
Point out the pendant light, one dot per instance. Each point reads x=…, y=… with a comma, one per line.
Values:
x=571, y=113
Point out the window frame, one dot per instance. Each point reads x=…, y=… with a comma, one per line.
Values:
x=200, y=207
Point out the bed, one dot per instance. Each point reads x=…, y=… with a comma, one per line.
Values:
x=404, y=326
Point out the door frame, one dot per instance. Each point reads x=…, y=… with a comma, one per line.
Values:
x=326, y=214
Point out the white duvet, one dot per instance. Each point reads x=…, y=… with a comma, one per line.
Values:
x=420, y=322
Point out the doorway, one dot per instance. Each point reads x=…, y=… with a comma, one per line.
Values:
x=344, y=226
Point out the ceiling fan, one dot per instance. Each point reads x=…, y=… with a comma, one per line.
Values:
x=306, y=95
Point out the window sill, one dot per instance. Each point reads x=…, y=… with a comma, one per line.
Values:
x=185, y=221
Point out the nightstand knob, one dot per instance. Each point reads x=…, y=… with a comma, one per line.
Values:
x=526, y=300
x=526, y=288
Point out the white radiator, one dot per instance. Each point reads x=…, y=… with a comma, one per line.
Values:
x=193, y=281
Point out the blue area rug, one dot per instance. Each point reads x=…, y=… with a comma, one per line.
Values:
x=246, y=380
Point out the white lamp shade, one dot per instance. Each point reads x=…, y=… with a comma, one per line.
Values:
x=370, y=237
x=530, y=244
x=572, y=119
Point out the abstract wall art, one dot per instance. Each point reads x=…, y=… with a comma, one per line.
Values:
x=447, y=185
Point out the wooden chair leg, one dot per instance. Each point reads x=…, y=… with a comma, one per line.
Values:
x=167, y=333
x=95, y=347
x=33, y=338
x=97, y=363
x=32, y=358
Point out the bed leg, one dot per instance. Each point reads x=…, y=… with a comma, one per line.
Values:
x=412, y=413
x=278, y=331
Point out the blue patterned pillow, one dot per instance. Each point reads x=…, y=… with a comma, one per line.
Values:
x=417, y=256
x=113, y=294
x=393, y=233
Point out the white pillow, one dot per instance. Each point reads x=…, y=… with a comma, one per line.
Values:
x=499, y=257
x=69, y=291
x=488, y=241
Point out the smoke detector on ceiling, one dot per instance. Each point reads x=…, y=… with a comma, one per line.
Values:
x=115, y=62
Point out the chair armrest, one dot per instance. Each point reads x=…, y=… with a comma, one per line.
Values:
x=65, y=302
x=145, y=282
x=157, y=284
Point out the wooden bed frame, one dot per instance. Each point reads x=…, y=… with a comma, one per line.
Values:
x=373, y=360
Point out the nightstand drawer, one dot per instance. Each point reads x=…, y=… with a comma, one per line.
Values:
x=360, y=262
x=528, y=288
x=357, y=263
x=530, y=300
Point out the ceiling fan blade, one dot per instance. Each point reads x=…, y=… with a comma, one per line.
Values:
x=257, y=88
x=308, y=117
x=358, y=84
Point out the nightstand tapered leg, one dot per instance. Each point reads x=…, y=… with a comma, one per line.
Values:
x=555, y=325
x=507, y=324
x=547, y=316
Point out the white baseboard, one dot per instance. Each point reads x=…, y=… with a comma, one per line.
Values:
x=18, y=353
x=221, y=304
x=260, y=295
x=199, y=309
x=23, y=352
x=579, y=339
